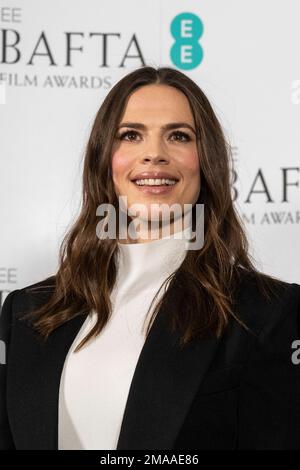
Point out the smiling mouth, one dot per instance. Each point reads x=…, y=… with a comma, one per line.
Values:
x=155, y=182
x=156, y=186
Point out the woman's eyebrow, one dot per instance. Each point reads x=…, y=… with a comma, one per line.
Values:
x=171, y=125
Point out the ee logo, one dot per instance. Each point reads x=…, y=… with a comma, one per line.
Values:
x=186, y=52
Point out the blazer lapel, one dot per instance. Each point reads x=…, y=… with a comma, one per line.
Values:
x=163, y=386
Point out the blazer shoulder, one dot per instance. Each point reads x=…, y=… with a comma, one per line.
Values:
x=47, y=283
x=20, y=301
x=260, y=284
x=262, y=300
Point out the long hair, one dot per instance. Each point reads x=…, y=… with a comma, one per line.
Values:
x=207, y=279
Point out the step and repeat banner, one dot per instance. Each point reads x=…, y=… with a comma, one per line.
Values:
x=59, y=59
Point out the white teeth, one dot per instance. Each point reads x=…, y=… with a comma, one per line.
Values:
x=155, y=182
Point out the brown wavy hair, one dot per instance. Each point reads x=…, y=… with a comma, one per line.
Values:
x=206, y=281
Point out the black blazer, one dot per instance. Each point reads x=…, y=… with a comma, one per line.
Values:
x=238, y=392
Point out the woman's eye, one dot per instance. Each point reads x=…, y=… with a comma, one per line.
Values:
x=125, y=134
x=183, y=137
x=182, y=134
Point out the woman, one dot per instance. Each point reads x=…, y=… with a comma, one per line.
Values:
x=214, y=369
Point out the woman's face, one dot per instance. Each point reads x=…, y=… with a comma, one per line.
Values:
x=146, y=148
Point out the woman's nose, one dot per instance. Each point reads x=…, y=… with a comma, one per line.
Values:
x=157, y=158
x=155, y=152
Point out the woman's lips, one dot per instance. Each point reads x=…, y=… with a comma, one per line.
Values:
x=154, y=189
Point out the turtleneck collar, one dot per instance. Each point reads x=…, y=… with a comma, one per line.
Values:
x=141, y=263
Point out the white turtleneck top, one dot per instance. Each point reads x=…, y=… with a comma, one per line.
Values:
x=95, y=381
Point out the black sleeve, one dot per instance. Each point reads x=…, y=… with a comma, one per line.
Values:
x=6, y=440
x=269, y=401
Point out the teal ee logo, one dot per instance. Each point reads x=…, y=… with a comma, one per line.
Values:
x=186, y=52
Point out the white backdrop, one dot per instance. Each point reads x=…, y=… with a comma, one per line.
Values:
x=250, y=71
